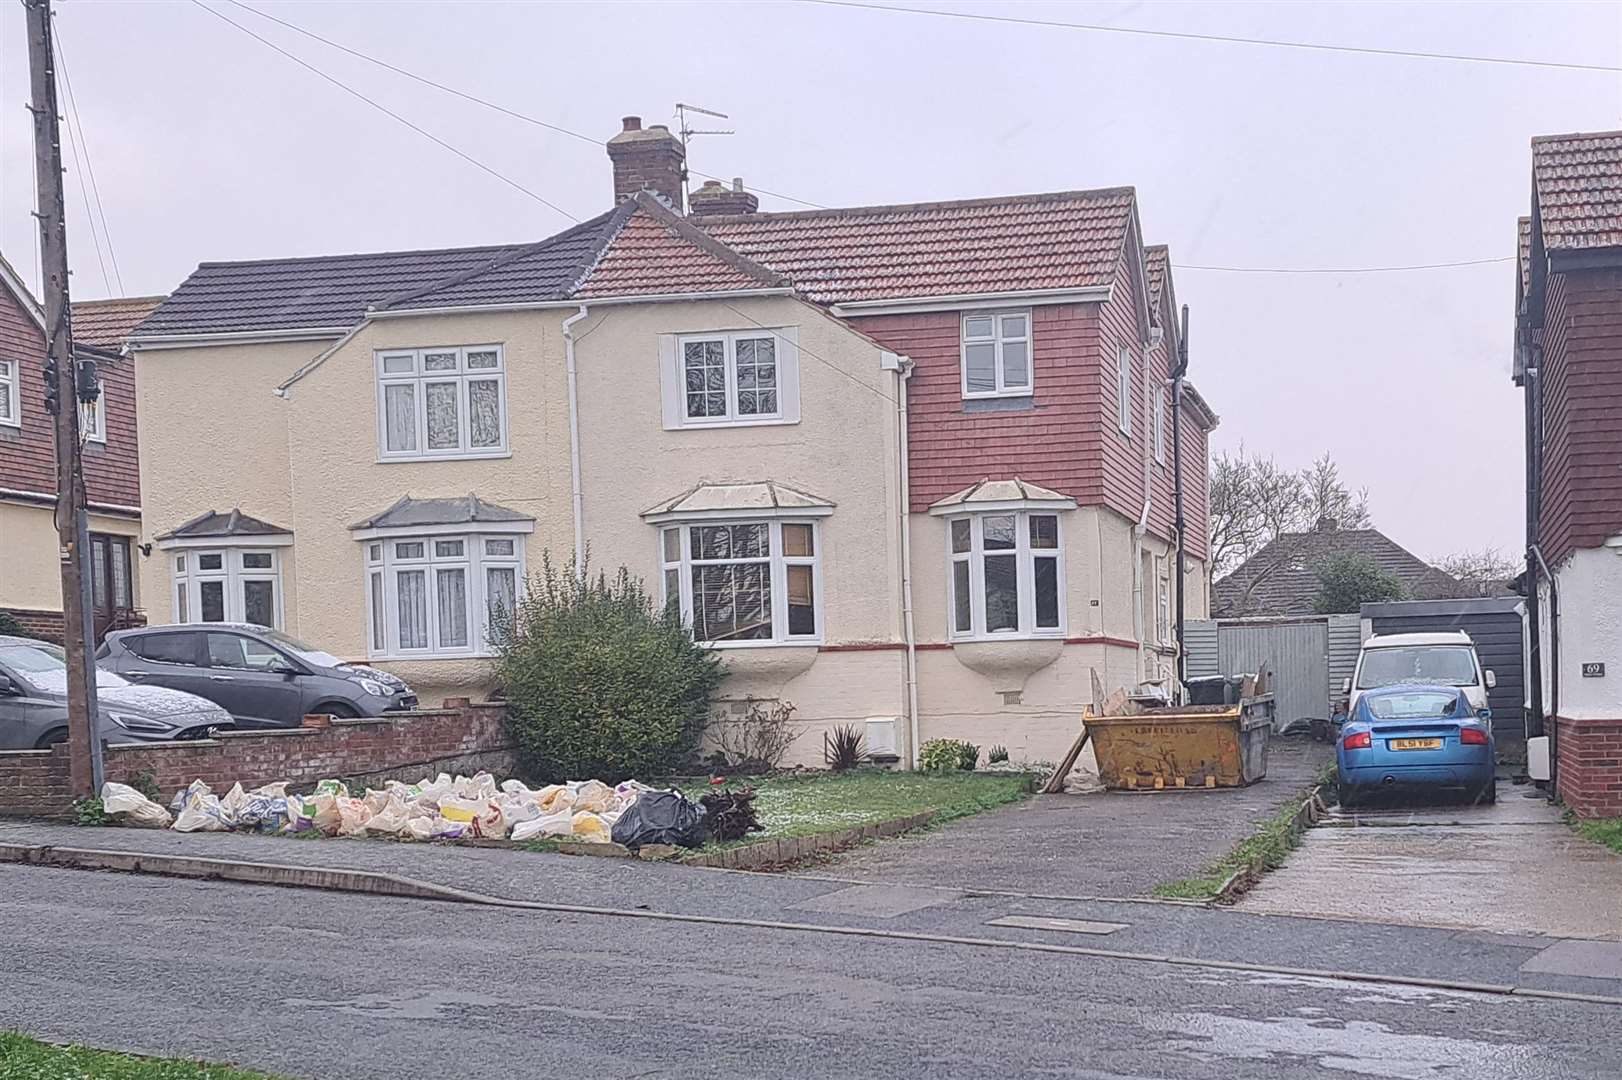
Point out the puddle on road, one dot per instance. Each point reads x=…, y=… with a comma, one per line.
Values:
x=1360, y=1047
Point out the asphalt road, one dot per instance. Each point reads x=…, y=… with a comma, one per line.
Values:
x=324, y=985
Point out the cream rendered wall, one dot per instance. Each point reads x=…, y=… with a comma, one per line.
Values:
x=213, y=437
x=1590, y=631
x=843, y=449
x=30, y=570
x=338, y=480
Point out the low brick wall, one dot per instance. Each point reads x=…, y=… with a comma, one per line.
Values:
x=1589, y=766
x=400, y=746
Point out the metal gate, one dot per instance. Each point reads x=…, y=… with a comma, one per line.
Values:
x=1297, y=654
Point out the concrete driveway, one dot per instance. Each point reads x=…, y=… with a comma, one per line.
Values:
x=1116, y=844
x=1513, y=867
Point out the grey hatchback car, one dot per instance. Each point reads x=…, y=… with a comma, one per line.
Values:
x=34, y=703
x=262, y=677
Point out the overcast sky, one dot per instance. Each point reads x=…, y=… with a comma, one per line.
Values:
x=207, y=145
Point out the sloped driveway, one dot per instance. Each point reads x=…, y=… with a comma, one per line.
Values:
x=1513, y=867
x=1115, y=844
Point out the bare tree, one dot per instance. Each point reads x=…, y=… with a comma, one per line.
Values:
x=1254, y=500
x=1488, y=569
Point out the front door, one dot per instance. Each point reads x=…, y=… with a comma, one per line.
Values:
x=110, y=581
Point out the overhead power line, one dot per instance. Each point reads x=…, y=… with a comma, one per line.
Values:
x=1226, y=39
x=76, y=141
x=474, y=98
x=346, y=88
x=1343, y=269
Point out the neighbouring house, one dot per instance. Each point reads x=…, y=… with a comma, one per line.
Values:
x=903, y=465
x=1282, y=578
x=30, y=569
x=1568, y=361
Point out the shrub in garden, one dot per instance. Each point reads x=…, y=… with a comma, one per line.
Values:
x=730, y=815
x=756, y=741
x=996, y=755
x=945, y=755
x=845, y=747
x=10, y=627
x=601, y=682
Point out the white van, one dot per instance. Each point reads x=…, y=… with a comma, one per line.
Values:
x=1439, y=659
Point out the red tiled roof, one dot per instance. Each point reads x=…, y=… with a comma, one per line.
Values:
x=108, y=322
x=1156, y=267
x=1063, y=240
x=1523, y=251
x=1577, y=185
x=655, y=253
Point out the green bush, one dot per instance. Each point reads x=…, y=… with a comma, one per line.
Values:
x=1347, y=582
x=996, y=755
x=10, y=627
x=946, y=755
x=600, y=681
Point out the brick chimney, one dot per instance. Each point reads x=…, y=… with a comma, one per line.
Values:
x=1327, y=524
x=648, y=159
x=716, y=198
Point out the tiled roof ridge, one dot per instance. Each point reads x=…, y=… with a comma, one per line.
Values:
x=948, y=204
x=1574, y=135
x=696, y=236
x=506, y=258
x=386, y=252
x=109, y=301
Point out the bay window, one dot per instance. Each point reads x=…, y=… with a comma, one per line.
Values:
x=1006, y=575
x=448, y=402
x=228, y=584
x=440, y=595
x=744, y=582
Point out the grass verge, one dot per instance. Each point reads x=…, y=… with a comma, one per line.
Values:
x=1261, y=851
x=22, y=1058
x=804, y=805
x=1606, y=831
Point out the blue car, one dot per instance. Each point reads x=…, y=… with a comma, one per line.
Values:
x=1415, y=737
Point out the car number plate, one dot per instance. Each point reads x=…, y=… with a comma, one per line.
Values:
x=1416, y=744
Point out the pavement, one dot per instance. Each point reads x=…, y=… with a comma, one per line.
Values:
x=1512, y=867
x=1112, y=844
x=323, y=985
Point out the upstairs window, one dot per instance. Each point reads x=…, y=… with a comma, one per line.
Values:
x=448, y=402
x=1160, y=425
x=731, y=378
x=1006, y=577
x=93, y=419
x=10, y=406
x=997, y=354
x=1123, y=390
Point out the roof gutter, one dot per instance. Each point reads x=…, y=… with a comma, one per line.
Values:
x=599, y=301
x=240, y=337
x=1017, y=298
x=40, y=498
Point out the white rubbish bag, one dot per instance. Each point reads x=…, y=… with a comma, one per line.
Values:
x=592, y=795
x=136, y=808
x=559, y=824
x=591, y=828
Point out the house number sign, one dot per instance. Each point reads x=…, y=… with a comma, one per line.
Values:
x=1593, y=671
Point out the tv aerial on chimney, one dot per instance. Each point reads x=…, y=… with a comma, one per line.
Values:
x=686, y=133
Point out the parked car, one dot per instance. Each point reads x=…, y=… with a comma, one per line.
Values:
x=263, y=677
x=1435, y=659
x=34, y=703
x=1416, y=737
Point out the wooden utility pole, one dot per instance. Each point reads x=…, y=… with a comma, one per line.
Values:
x=65, y=387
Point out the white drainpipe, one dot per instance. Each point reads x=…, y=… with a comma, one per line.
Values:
x=574, y=443
x=902, y=366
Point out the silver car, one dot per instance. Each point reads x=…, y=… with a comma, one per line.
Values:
x=263, y=677
x=34, y=703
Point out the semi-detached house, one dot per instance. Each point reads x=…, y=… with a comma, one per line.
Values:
x=906, y=465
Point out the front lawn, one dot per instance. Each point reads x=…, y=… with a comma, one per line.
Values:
x=817, y=803
x=1607, y=831
x=22, y=1058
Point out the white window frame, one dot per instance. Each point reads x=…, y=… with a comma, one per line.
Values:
x=10, y=384
x=673, y=378
x=187, y=578
x=419, y=379
x=383, y=564
x=1123, y=390
x=93, y=419
x=779, y=575
x=1160, y=425
x=1025, y=562
x=999, y=339
x=1162, y=601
